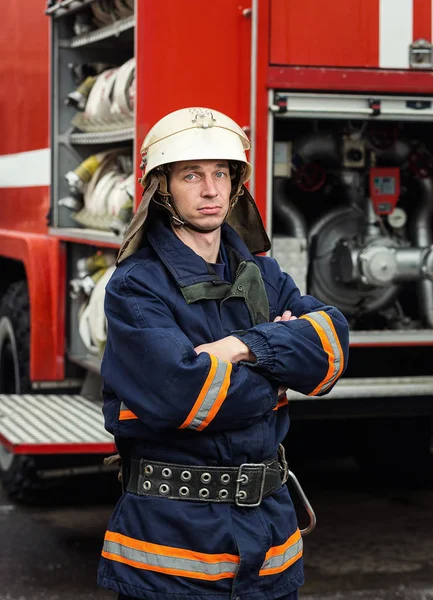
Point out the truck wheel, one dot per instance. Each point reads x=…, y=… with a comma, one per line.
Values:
x=397, y=451
x=17, y=473
x=15, y=340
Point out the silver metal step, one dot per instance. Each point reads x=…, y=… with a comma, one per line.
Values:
x=415, y=337
x=53, y=424
x=374, y=387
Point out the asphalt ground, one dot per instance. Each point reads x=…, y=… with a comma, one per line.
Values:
x=372, y=542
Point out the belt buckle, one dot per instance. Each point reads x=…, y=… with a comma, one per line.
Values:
x=240, y=480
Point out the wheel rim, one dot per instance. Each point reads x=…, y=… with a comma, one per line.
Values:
x=9, y=365
x=8, y=383
x=6, y=459
x=9, y=377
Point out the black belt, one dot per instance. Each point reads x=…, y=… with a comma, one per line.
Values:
x=245, y=485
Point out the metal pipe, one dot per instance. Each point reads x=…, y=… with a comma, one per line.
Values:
x=395, y=155
x=372, y=227
x=319, y=147
x=422, y=237
x=326, y=149
x=353, y=183
x=292, y=219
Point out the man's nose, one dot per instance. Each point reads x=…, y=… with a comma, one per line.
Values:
x=209, y=188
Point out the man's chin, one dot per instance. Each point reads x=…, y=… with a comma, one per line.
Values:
x=209, y=224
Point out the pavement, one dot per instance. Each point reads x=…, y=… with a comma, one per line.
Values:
x=371, y=542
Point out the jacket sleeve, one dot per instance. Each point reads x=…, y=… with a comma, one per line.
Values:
x=153, y=369
x=307, y=355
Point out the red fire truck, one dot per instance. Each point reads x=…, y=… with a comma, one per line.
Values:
x=337, y=98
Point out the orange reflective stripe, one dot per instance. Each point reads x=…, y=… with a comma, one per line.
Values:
x=219, y=399
x=282, y=567
x=169, y=550
x=276, y=550
x=327, y=344
x=169, y=559
x=279, y=558
x=167, y=570
x=125, y=415
x=327, y=348
x=204, y=391
x=283, y=402
x=337, y=341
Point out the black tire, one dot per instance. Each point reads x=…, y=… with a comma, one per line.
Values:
x=397, y=451
x=17, y=473
x=15, y=340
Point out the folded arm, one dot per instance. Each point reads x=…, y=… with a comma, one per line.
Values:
x=153, y=368
x=307, y=354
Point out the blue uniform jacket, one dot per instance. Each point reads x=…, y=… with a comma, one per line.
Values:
x=164, y=402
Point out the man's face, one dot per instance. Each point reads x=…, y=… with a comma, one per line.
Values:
x=201, y=191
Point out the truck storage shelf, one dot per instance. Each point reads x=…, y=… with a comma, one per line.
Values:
x=374, y=387
x=86, y=236
x=103, y=33
x=87, y=361
x=67, y=7
x=102, y=137
x=53, y=424
x=415, y=337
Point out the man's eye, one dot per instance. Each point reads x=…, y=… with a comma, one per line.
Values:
x=190, y=177
x=220, y=174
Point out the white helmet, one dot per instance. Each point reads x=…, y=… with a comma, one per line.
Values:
x=194, y=134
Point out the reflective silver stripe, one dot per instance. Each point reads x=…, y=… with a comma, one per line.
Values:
x=320, y=320
x=211, y=396
x=123, y=406
x=169, y=562
x=278, y=561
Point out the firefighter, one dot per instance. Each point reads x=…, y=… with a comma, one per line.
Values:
x=203, y=334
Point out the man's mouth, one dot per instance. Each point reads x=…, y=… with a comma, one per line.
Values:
x=210, y=210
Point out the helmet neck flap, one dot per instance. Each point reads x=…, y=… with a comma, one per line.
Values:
x=243, y=217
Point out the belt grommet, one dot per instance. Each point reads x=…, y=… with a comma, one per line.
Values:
x=147, y=485
x=243, y=479
x=164, y=489
x=225, y=478
x=148, y=470
x=223, y=494
x=204, y=493
x=166, y=473
x=242, y=495
x=185, y=475
x=184, y=491
x=206, y=477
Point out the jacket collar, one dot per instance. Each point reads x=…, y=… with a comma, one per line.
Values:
x=184, y=264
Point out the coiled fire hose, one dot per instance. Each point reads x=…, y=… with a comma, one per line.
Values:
x=103, y=12
x=106, y=193
x=122, y=101
x=92, y=321
x=77, y=180
x=79, y=97
x=106, y=12
x=124, y=8
x=110, y=100
x=89, y=271
x=99, y=101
